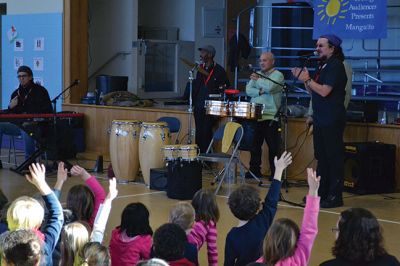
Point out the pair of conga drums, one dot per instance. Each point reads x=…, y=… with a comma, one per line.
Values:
x=132, y=143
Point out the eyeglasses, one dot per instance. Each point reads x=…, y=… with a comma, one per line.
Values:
x=22, y=76
x=335, y=229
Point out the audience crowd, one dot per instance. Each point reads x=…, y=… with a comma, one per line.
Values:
x=38, y=231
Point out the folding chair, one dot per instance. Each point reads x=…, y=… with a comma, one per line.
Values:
x=227, y=158
x=174, y=125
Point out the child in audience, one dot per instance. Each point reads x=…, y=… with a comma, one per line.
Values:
x=244, y=242
x=205, y=227
x=284, y=243
x=27, y=213
x=73, y=237
x=76, y=235
x=153, y=262
x=94, y=254
x=183, y=214
x=359, y=241
x=82, y=201
x=169, y=245
x=21, y=247
x=132, y=240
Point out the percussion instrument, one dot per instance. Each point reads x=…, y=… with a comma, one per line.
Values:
x=218, y=108
x=171, y=152
x=124, y=148
x=246, y=110
x=153, y=136
x=189, y=152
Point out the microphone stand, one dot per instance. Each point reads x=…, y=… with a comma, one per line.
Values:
x=54, y=101
x=55, y=132
x=190, y=109
x=282, y=115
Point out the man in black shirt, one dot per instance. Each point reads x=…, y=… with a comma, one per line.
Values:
x=29, y=98
x=203, y=86
x=327, y=90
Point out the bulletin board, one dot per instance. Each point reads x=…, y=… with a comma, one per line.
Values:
x=34, y=40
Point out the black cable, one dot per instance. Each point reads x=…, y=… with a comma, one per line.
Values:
x=303, y=169
x=301, y=145
x=297, y=139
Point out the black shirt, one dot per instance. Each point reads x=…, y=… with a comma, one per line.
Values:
x=330, y=110
x=204, y=85
x=386, y=260
x=34, y=99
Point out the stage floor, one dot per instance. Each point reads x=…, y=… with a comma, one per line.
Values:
x=385, y=207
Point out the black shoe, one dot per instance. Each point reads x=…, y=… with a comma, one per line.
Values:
x=331, y=202
x=304, y=199
x=248, y=175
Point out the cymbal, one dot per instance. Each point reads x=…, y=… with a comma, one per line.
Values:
x=192, y=65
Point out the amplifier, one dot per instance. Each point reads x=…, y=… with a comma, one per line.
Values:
x=369, y=167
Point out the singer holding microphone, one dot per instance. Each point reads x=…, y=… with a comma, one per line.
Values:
x=29, y=98
x=327, y=88
x=269, y=94
x=204, y=85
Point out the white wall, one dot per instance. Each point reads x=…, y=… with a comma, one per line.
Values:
x=33, y=6
x=218, y=43
x=169, y=13
x=112, y=29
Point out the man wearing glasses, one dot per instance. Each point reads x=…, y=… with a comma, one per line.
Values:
x=29, y=98
x=327, y=88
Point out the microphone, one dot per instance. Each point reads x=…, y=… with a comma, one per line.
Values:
x=315, y=53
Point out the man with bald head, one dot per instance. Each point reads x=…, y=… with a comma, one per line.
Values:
x=266, y=92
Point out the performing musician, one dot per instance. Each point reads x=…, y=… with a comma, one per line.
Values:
x=268, y=93
x=203, y=86
x=327, y=88
x=29, y=98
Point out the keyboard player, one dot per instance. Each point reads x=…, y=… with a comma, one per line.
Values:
x=29, y=98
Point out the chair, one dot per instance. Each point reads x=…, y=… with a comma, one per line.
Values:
x=174, y=125
x=11, y=130
x=227, y=158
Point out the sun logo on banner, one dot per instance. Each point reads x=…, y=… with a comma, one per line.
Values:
x=332, y=10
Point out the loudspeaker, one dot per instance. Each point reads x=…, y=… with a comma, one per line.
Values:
x=184, y=179
x=158, y=179
x=369, y=168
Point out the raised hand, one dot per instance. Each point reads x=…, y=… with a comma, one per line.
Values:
x=313, y=182
x=304, y=75
x=281, y=164
x=38, y=178
x=112, y=189
x=62, y=174
x=76, y=170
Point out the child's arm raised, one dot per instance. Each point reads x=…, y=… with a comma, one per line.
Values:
x=62, y=174
x=309, y=227
x=272, y=198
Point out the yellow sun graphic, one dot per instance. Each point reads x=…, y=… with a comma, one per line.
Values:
x=332, y=10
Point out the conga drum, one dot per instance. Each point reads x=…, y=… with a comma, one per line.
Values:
x=124, y=148
x=153, y=136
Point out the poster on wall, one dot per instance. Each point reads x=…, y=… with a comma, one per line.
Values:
x=12, y=33
x=39, y=80
x=38, y=44
x=19, y=45
x=38, y=64
x=18, y=61
x=351, y=19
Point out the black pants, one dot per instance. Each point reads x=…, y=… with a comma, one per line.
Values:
x=329, y=151
x=204, y=128
x=267, y=130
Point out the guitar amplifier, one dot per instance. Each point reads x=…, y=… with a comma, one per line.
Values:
x=369, y=168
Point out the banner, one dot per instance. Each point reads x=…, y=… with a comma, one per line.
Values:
x=351, y=19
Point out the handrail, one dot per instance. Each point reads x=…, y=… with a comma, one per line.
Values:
x=124, y=53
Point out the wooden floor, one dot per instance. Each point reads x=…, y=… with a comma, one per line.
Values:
x=385, y=207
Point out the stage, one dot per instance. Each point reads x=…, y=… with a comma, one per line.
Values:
x=98, y=120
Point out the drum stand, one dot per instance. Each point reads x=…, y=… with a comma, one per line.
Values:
x=190, y=109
